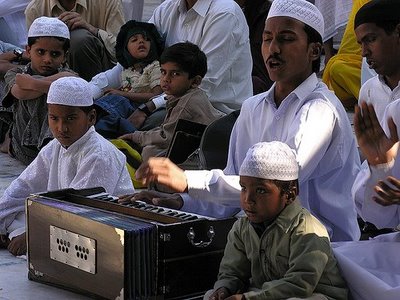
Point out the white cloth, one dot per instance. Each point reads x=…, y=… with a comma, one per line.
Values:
x=312, y=121
x=91, y=161
x=367, y=178
x=366, y=71
x=12, y=22
x=371, y=268
x=219, y=28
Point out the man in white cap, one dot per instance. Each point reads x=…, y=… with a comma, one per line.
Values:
x=26, y=88
x=78, y=157
x=298, y=110
x=279, y=250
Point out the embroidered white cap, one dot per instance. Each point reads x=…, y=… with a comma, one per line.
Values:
x=270, y=160
x=46, y=26
x=71, y=91
x=301, y=10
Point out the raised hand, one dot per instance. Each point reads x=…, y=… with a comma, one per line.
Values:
x=388, y=192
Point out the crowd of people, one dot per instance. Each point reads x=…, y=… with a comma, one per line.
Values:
x=297, y=176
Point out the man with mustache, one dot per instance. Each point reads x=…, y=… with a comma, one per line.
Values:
x=298, y=110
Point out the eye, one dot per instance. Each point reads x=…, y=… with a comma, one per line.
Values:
x=175, y=74
x=55, y=54
x=40, y=51
x=261, y=190
x=163, y=72
x=71, y=118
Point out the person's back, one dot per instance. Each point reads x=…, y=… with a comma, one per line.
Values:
x=228, y=79
x=278, y=250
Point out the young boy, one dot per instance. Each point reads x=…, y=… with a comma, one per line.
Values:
x=279, y=250
x=77, y=158
x=183, y=66
x=27, y=86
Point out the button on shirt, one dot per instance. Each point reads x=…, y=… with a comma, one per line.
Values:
x=313, y=123
x=219, y=28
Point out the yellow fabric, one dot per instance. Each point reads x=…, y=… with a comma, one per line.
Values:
x=342, y=74
x=133, y=154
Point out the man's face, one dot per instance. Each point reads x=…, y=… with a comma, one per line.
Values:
x=286, y=52
x=47, y=55
x=381, y=50
x=69, y=123
x=261, y=199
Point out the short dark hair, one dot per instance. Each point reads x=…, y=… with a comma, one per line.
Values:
x=286, y=186
x=86, y=109
x=32, y=40
x=188, y=56
x=313, y=37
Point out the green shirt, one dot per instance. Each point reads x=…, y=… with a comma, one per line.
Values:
x=293, y=258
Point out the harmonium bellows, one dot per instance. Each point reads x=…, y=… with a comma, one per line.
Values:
x=84, y=241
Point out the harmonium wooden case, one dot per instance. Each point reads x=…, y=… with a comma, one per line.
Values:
x=84, y=241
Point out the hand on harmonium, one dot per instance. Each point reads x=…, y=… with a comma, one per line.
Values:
x=173, y=201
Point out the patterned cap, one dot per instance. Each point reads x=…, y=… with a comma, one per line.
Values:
x=71, y=91
x=272, y=160
x=45, y=26
x=301, y=10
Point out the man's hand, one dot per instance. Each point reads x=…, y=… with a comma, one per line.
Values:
x=17, y=245
x=373, y=142
x=388, y=194
x=74, y=21
x=137, y=118
x=162, y=171
x=173, y=201
x=220, y=294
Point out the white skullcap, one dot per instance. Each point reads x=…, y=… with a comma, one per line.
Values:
x=273, y=160
x=301, y=10
x=71, y=91
x=45, y=26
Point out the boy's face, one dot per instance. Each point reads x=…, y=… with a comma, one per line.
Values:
x=261, y=199
x=174, y=81
x=138, y=46
x=47, y=55
x=69, y=123
x=381, y=50
x=286, y=52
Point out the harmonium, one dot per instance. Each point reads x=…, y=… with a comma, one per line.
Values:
x=85, y=241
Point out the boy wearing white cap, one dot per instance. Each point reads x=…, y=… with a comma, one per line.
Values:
x=27, y=86
x=279, y=250
x=78, y=157
x=298, y=110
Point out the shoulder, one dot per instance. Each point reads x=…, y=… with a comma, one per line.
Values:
x=151, y=67
x=310, y=224
x=224, y=6
x=103, y=150
x=371, y=83
x=36, y=4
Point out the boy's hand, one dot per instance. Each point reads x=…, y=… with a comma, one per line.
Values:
x=220, y=294
x=24, y=81
x=133, y=137
x=17, y=245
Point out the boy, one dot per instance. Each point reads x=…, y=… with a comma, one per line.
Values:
x=279, y=250
x=27, y=86
x=77, y=158
x=298, y=110
x=183, y=67
x=377, y=27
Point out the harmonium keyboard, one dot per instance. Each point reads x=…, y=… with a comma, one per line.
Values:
x=85, y=241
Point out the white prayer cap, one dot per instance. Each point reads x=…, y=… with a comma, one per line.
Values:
x=46, y=26
x=301, y=10
x=272, y=160
x=71, y=91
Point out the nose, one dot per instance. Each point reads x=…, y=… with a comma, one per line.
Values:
x=165, y=78
x=364, y=50
x=274, y=46
x=47, y=58
x=62, y=127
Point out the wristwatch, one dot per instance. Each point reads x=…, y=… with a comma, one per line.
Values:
x=143, y=107
x=18, y=54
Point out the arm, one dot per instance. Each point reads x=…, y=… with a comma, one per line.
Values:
x=28, y=87
x=138, y=97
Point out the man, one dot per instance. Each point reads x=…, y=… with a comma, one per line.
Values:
x=377, y=27
x=94, y=25
x=299, y=111
x=220, y=30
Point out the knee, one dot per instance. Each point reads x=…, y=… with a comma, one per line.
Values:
x=83, y=40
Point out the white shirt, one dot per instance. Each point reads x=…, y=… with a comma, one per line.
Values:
x=91, y=161
x=312, y=121
x=368, y=177
x=220, y=30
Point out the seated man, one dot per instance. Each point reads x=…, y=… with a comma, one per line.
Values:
x=299, y=111
x=78, y=157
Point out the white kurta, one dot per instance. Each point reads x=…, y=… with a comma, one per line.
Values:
x=312, y=121
x=91, y=161
x=367, y=178
x=220, y=30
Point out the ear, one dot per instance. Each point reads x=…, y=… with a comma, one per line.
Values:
x=291, y=195
x=92, y=116
x=28, y=51
x=316, y=49
x=196, y=81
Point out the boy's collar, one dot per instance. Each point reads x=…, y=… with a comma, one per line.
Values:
x=79, y=142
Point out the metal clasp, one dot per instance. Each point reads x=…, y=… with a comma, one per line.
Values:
x=191, y=235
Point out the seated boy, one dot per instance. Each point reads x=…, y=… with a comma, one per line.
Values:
x=183, y=67
x=77, y=158
x=279, y=250
x=27, y=86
